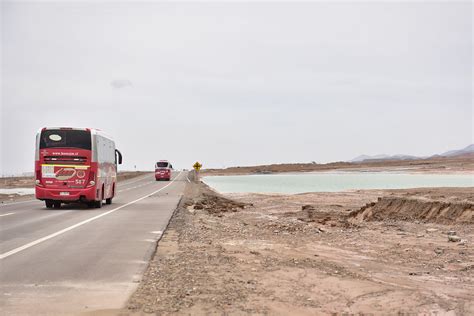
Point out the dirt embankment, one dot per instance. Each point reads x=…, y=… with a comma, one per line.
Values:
x=17, y=182
x=432, y=165
x=411, y=209
x=302, y=255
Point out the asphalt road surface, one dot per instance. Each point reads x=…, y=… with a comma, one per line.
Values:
x=74, y=259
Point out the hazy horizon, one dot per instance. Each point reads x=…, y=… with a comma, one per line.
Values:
x=232, y=84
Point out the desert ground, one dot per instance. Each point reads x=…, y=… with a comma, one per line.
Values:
x=364, y=252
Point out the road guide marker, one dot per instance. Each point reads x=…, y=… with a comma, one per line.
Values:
x=197, y=166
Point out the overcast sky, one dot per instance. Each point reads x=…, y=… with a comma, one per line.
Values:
x=238, y=83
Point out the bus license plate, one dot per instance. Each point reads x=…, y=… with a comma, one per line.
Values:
x=63, y=193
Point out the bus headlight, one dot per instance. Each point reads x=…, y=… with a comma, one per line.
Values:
x=38, y=181
x=92, y=183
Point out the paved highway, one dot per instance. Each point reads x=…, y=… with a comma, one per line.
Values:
x=74, y=259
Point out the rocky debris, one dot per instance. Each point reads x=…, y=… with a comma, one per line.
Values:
x=289, y=227
x=198, y=206
x=454, y=238
x=215, y=204
x=468, y=267
x=415, y=273
x=439, y=251
x=309, y=214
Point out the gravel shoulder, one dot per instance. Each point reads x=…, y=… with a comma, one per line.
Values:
x=304, y=254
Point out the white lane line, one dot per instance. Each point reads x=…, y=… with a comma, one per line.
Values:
x=126, y=182
x=38, y=241
x=7, y=214
x=143, y=184
x=188, y=179
x=135, y=187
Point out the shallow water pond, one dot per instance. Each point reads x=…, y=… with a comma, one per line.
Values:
x=334, y=182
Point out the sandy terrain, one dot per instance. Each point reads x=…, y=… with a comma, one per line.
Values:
x=460, y=164
x=314, y=253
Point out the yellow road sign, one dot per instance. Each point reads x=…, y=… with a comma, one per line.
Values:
x=197, y=166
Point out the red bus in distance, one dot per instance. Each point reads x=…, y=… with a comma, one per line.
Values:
x=163, y=170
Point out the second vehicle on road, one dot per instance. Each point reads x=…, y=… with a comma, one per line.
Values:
x=163, y=170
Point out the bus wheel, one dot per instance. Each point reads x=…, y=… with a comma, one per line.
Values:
x=57, y=204
x=98, y=204
x=49, y=203
x=109, y=200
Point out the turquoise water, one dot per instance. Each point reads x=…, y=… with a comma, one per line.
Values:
x=334, y=182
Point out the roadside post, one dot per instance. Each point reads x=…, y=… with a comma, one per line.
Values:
x=197, y=166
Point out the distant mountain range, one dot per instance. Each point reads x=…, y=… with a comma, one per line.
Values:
x=452, y=153
x=468, y=150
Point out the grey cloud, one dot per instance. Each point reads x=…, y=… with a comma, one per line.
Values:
x=218, y=82
x=121, y=83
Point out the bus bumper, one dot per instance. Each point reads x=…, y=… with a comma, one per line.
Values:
x=66, y=195
x=162, y=174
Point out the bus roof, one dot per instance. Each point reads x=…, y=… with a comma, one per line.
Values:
x=94, y=131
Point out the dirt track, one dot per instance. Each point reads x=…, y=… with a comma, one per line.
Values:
x=301, y=255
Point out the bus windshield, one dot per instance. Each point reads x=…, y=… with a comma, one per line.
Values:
x=65, y=139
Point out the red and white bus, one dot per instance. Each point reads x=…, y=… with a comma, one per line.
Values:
x=75, y=165
x=163, y=170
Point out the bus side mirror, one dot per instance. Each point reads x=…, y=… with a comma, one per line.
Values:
x=118, y=157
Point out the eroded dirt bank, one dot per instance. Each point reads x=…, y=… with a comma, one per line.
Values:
x=308, y=254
